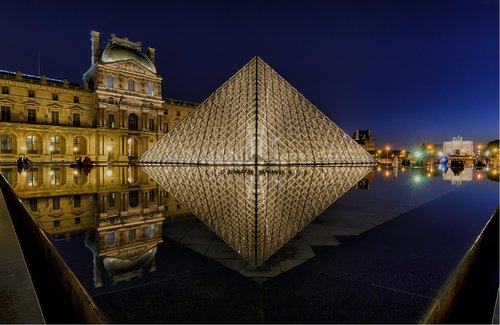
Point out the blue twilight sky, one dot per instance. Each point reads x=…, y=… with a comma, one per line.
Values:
x=411, y=70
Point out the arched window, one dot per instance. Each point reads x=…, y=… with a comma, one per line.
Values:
x=31, y=143
x=150, y=89
x=132, y=121
x=457, y=152
x=131, y=85
x=55, y=144
x=6, y=143
x=77, y=145
x=110, y=81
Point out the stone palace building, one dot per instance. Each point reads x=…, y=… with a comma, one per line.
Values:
x=116, y=115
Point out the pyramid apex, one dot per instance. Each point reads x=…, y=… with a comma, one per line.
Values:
x=258, y=118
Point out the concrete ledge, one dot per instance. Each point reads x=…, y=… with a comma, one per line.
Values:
x=62, y=297
x=439, y=311
x=18, y=300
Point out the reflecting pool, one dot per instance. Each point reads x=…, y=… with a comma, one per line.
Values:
x=149, y=244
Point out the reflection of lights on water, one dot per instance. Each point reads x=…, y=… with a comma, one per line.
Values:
x=478, y=176
x=109, y=172
x=429, y=175
x=403, y=169
x=417, y=179
x=387, y=173
x=379, y=168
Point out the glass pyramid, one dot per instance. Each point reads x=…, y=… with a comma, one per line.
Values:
x=256, y=209
x=258, y=118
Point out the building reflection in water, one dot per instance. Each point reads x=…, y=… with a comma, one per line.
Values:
x=256, y=210
x=120, y=209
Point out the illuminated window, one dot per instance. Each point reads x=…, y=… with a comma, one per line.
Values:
x=9, y=175
x=132, y=122
x=31, y=142
x=77, y=143
x=6, y=143
x=32, y=177
x=55, y=176
x=76, y=119
x=56, y=203
x=55, y=143
x=31, y=115
x=5, y=113
x=55, y=117
x=150, y=88
x=110, y=81
x=131, y=85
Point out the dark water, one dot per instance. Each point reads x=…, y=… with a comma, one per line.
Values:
x=271, y=245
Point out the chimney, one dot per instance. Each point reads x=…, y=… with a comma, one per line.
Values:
x=151, y=54
x=94, y=42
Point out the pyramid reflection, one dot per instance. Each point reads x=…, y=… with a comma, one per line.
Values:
x=256, y=210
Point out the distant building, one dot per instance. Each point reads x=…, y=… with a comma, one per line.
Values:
x=457, y=147
x=365, y=139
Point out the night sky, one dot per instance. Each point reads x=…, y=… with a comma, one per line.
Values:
x=412, y=71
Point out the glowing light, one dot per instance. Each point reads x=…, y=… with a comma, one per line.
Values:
x=440, y=153
x=23, y=148
x=109, y=172
x=403, y=169
x=418, y=154
x=51, y=148
x=75, y=172
x=403, y=152
x=130, y=179
x=387, y=148
x=75, y=149
x=429, y=147
x=129, y=141
x=51, y=172
x=487, y=153
x=387, y=173
x=478, y=176
x=429, y=175
x=494, y=172
x=417, y=179
x=379, y=168
x=24, y=173
x=108, y=148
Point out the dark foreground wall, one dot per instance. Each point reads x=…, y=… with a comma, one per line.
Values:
x=61, y=296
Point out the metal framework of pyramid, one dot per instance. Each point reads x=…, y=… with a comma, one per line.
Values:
x=257, y=117
x=257, y=209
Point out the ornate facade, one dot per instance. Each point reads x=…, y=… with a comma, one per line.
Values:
x=116, y=115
